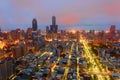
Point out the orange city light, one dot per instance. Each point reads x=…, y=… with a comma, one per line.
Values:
x=16, y=41
x=2, y=44
x=72, y=31
x=48, y=39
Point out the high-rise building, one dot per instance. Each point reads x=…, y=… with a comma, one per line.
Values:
x=17, y=34
x=112, y=29
x=77, y=36
x=53, y=20
x=47, y=29
x=6, y=68
x=112, y=34
x=9, y=66
x=23, y=47
x=54, y=27
x=19, y=50
x=29, y=33
x=3, y=71
x=34, y=25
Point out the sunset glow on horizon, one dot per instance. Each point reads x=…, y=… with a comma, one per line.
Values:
x=66, y=11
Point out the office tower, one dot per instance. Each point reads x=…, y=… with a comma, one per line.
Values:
x=35, y=34
x=78, y=36
x=19, y=50
x=9, y=66
x=41, y=41
x=53, y=20
x=112, y=33
x=47, y=29
x=23, y=47
x=34, y=25
x=29, y=33
x=92, y=32
x=16, y=51
x=39, y=32
x=112, y=29
x=13, y=34
x=17, y=34
x=6, y=68
x=53, y=27
x=3, y=71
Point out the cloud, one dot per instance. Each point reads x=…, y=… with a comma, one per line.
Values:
x=112, y=9
x=66, y=11
x=70, y=18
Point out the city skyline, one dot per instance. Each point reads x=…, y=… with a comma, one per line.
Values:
x=20, y=13
x=59, y=40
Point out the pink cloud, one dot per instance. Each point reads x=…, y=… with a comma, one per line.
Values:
x=112, y=9
x=70, y=18
x=66, y=11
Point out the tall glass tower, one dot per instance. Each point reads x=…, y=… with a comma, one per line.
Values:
x=34, y=25
x=54, y=27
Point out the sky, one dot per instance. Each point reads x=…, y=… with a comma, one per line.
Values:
x=19, y=13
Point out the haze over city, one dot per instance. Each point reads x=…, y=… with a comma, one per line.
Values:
x=77, y=14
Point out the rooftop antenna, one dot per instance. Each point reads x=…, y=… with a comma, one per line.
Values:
x=53, y=13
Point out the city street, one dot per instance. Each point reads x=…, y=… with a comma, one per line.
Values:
x=95, y=66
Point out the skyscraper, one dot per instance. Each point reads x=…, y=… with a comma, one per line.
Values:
x=34, y=25
x=3, y=71
x=6, y=68
x=47, y=29
x=19, y=50
x=54, y=27
x=53, y=20
x=112, y=29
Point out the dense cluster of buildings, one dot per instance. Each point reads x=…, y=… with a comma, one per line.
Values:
x=17, y=44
